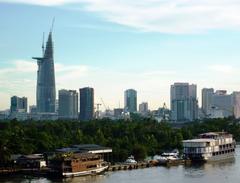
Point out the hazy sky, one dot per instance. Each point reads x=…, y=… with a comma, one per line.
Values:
x=113, y=45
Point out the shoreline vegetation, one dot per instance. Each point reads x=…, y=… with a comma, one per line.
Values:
x=140, y=137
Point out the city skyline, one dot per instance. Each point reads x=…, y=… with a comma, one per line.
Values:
x=111, y=56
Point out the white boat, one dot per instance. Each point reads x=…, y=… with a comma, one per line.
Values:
x=212, y=146
x=164, y=157
x=131, y=160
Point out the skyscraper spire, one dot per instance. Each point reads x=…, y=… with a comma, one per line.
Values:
x=43, y=45
x=53, y=21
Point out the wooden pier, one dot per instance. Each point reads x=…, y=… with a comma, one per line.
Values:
x=123, y=166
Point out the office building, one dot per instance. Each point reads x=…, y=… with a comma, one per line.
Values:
x=222, y=104
x=118, y=113
x=86, y=104
x=184, y=103
x=207, y=97
x=18, y=104
x=143, y=108
x=46, y=92
x=236, y=104
x=130, y=100
x=68, y=104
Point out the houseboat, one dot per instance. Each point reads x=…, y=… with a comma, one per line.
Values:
x=212, y=146
x=78, y=164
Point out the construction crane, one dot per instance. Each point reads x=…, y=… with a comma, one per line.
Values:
x=106, y=108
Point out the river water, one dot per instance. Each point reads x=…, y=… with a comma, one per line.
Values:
x=218, y=172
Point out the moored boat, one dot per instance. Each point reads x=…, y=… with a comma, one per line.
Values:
x=167, y=156
x=131, y=160
x=79, y=164
x=212, y=146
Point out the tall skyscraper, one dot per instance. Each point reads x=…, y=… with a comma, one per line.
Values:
x=207, y=97
x=46, y=92
x=18, y=104
x=68, y=104
x=184, y=103
x=130, y=100
x=86, y=104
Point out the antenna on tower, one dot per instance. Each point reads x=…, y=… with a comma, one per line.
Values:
x=43, y=44
x=52, y=24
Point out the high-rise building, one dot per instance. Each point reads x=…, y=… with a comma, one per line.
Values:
x=143, y=108
x=184, y=103
x=46, y=92
x=68, y=104
x=236, y=104
x=222, y=102
x=18, y=104
x=86, y=104
x=207, y=96
x=130, y=100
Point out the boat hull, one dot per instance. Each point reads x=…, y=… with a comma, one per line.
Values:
x=84, y=173
x=220, y=157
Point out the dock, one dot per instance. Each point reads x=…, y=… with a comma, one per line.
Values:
x=122, y=166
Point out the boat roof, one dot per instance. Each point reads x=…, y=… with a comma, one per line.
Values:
x=200, y=140
x=93, y=148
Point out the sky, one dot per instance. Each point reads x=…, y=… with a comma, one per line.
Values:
x=114, y=45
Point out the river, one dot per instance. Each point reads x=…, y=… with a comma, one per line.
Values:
x=218, y=172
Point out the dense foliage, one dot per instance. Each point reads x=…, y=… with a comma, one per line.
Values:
x=141, y=137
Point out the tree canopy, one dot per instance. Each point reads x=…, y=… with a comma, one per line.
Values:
x=139, y=137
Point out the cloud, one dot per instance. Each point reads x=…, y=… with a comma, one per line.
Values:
x=167, y=16
x=40, y=2
x=19, y=79
x=228, y=69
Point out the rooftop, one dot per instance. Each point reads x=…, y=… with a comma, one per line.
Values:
x=199, y=140
x=85, y=148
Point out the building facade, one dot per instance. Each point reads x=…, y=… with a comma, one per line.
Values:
x=143, y=108
x=86, y=104
x=207, y=96
x=68, y=104
x=18, y=104
x=222, y=104
x=46, y=92
x=184, y=103
x=236, y=104
x=130, y=100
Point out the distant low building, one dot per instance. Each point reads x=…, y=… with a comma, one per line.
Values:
x=118, y=113
x=31, y=161
x=4, y=114
x=44, y=116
